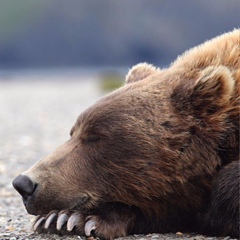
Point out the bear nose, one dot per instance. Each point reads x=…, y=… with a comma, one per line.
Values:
x=24, y=185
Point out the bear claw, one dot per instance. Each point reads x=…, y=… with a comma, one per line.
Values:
x=62, y=219
x=90, y=226
x=38, y=223
x=73, y=221
x=50, y=220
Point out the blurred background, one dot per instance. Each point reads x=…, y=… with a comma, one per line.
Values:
x=93, y=33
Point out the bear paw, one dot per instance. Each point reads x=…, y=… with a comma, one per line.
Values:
x=63, y=222
x=75, y=223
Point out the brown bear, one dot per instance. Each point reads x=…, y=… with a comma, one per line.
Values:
x=160, y=154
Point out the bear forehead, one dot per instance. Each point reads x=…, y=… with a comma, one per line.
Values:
x=129, y=101
x=133, y=103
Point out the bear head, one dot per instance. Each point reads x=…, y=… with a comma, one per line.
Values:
x=139, y=145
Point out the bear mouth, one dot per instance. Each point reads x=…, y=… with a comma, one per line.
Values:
x=33, y=206
x=101, y=207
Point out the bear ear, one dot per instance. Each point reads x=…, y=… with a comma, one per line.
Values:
x=211, y=91
x=140, y=71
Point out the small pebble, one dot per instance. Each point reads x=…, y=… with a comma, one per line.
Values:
x=179, y=233
x=154, y=236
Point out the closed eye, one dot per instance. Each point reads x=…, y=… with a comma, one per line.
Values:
x=92, y=138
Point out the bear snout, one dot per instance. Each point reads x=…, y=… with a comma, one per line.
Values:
x=25, y=186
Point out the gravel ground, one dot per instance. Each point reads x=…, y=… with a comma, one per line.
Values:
x=36, y=114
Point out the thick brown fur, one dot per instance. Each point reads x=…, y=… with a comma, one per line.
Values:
x=223, y=212
x=148, y=157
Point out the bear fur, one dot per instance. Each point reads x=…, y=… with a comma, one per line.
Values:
x=160, y=154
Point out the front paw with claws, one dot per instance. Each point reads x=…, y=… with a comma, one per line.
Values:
x=63, y=222
x=111, y=221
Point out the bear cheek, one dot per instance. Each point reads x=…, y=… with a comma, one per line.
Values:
x=55, y=181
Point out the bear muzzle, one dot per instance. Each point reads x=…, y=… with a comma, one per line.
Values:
x=26, y=188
